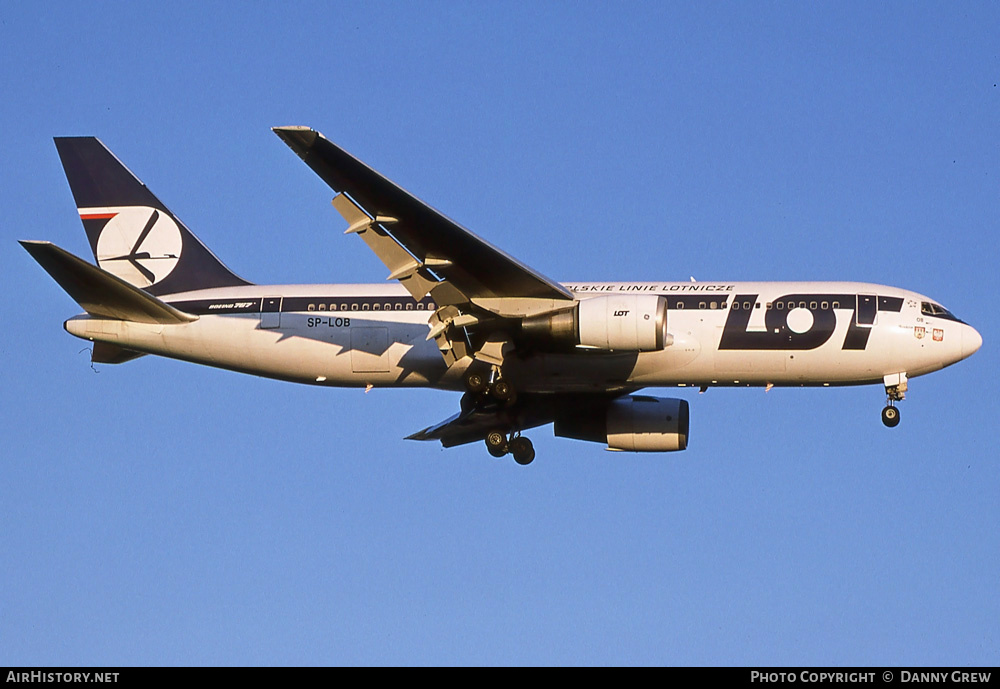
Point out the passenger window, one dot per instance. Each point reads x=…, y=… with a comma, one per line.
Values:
x=701, y=304
x=333, y=307
x=311, y=307
x=354, y=306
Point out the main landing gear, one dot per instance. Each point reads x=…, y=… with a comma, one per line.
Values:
x=489, y=385
x=895, y=391
x=520, y=447
x=486, y=387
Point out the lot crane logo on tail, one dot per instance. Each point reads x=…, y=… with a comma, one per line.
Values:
x=139, y=244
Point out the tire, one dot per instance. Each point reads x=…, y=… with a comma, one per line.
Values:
x=502, y=391
x=523, y=450
x=496, y=443
x=475, y=382
x=890, y=417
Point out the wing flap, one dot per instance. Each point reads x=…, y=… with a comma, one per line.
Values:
x=402, y=265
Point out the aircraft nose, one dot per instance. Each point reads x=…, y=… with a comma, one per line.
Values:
x=971, y=341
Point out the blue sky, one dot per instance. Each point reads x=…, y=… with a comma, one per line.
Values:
x=163, y=513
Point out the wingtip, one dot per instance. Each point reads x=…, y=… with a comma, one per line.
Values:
x=30, y=244
x=297, y=137
x=292, y=128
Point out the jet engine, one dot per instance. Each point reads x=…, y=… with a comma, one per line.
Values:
x=634, y=423
x=629, y=323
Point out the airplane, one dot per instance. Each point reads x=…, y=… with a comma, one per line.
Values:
x=459, y=314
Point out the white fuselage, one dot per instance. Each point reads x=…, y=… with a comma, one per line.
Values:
x=726, y=334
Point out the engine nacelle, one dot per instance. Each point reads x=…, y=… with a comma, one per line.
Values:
x=636, y=423
x=628, y=323
x=633, y=323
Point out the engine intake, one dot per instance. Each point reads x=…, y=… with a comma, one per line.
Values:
x=630, y=323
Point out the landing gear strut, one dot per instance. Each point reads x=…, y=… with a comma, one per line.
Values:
x=895, y=391
x=518, y=446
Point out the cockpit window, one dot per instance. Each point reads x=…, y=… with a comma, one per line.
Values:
x=929, y=308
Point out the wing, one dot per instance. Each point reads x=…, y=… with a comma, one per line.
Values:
x=581, y=416
x=417, y=240
x=475, y=422
x=482, y=296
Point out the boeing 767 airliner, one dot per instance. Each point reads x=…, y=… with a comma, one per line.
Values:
x=460, y=314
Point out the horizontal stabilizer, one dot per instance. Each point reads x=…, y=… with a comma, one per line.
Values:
x=100, y=293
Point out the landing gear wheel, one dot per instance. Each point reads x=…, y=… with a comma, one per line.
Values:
x=523, y=450
x=476, y=382
x=890, y=416
x=502, y=391
x=496, y=443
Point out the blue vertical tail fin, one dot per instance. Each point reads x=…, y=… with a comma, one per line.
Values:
x=132, y=234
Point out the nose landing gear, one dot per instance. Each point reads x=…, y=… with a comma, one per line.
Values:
x=895, y=391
